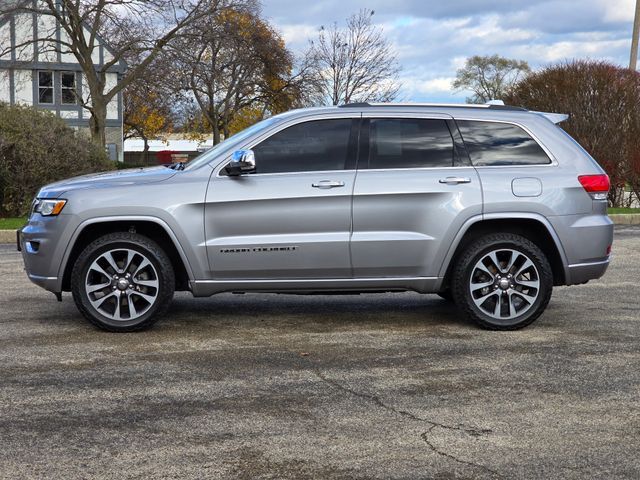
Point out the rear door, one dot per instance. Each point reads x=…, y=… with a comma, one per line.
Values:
x=414, y=189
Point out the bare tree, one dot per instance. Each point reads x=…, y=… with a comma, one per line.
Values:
x=233, y=60
x=489, y=77
x=354, y=64
x=134, y=28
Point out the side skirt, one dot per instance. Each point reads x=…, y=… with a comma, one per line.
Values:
x=206, y=288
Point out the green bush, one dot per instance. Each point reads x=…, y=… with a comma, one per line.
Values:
x=37, y=148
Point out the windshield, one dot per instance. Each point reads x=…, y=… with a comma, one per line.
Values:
x=230, y=144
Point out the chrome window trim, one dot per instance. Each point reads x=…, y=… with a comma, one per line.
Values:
x=369, y=115
x=400, y=169
x=287, y=173
x=553, y=163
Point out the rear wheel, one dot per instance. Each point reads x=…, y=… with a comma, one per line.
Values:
x=503, y=282
x=122, y=282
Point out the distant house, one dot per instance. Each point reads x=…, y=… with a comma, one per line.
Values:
x=50, y=78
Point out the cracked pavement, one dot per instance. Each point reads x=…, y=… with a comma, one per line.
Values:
x=295, y=387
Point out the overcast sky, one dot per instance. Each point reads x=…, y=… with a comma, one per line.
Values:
x=433, y=37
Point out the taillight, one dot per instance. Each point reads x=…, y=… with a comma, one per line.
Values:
x=595, y=185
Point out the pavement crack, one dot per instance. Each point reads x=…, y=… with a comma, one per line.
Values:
x=425, y=438
x=474, y=432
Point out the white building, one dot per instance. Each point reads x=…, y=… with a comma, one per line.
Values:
x=50, y=78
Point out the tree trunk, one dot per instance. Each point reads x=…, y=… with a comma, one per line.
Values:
x=145, y=152
x=225, y=129
x=216, y=133
x=98, y=122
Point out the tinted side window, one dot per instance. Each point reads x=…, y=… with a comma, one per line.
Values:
x=491, y=143
x=305, y=147
x=409, y=143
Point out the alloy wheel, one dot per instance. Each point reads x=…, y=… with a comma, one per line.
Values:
x=122, y=284
x=504, y=284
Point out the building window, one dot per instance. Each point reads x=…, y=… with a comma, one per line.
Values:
x=68, y=88
x=45, y=88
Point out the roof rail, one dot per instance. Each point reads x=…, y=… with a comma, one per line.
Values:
x=441, y=105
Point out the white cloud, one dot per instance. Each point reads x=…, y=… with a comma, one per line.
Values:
x=618, y=10
x=490, y=31
x=435, y=85
x=432, y=40
x=298, y=35
x=571, y=49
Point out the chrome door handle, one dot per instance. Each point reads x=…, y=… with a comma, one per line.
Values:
x=455, y=180
x=327, y=184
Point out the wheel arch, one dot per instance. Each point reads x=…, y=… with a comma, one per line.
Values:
x=152, y=227
x=532, y=226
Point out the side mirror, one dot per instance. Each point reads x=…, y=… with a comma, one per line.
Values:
x=242, y=161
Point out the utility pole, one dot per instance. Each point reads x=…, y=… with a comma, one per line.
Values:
x=634, y=40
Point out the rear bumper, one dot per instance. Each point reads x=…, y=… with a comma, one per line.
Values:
x=586, y=241
x=583, y=272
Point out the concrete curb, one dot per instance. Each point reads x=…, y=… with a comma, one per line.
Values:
x=9, y=236
x=625, y=218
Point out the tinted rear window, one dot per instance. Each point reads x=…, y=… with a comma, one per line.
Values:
x=410, y=143
x=492, y=143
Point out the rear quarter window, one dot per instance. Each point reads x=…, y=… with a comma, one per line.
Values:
x=495, y=144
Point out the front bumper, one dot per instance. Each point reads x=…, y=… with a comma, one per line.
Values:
x=42, y=242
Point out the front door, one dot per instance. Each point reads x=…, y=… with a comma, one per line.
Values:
x=291, y=219
x=414, y=190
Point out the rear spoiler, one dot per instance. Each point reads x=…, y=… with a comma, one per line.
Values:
x=553, y=117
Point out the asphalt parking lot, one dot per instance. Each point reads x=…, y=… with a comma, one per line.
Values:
x=281, y=386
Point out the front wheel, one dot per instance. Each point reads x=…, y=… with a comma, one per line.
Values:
x=122, y=282
x=502, y=281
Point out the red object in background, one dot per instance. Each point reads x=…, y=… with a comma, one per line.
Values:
x=165, y=156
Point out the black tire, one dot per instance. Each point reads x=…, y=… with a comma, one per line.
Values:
x=138, y=243
x=464, y=269
x=446, y=295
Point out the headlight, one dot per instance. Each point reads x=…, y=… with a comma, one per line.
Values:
x=48, y=208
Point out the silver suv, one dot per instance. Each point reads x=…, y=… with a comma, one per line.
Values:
x=489, y=206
